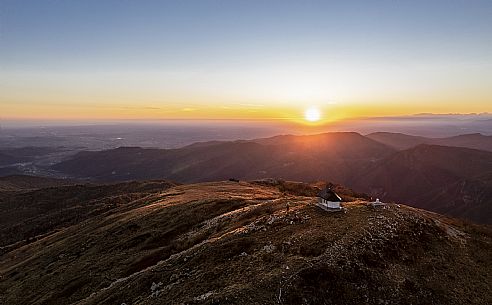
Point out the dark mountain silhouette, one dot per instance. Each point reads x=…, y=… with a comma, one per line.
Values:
x=417, y=175
x=398, y=141
x=474, y=140
x=402, y=141
x=331, y=156
x=236, y=243
x=448, y=180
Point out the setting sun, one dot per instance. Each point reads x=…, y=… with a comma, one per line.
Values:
x=312, y=114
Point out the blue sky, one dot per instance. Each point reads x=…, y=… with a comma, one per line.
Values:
x=189, y=54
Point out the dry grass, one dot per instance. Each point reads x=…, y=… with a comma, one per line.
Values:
x=236, y=243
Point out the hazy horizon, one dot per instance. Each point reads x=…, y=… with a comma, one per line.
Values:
x=190, y=131
x=13, y=123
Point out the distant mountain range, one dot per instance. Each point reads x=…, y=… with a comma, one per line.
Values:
x=331, y=156
x=402, y=141
x=451, y=180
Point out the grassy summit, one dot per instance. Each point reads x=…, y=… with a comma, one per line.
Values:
x=236, y=243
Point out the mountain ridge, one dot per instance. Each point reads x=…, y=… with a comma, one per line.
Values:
x=415, y=175
x=402, y=141
x=429, y=169
x=288, y=157
x=237, y=243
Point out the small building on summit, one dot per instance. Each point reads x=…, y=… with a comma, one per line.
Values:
x=329, y=200
x=377, y=203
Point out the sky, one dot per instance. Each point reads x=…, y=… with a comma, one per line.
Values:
x=262, y=60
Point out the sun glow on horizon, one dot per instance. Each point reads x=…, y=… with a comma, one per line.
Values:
x=312, y=114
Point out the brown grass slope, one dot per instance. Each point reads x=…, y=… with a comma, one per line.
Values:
x=236, y=243
x=30, y=215
x=16, y=183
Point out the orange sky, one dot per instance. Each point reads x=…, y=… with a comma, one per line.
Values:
x=291, y=112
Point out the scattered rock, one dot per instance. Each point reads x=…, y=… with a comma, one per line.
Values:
x=203, y=296
x=269, y=248
x=155, y=289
